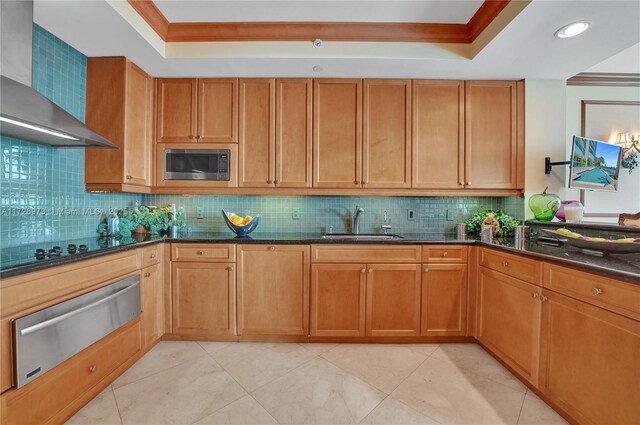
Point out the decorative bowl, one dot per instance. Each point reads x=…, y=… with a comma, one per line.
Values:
x=241, y=231
x=601, y=246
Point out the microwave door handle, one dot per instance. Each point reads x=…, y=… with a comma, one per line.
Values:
x=198, y=171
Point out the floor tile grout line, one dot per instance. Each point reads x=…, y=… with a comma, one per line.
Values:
x=265, y=409
x=522, y=406
x=117, y=407
x=315, y=356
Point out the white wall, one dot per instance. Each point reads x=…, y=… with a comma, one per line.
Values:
x=627, y=199
x=545, y=133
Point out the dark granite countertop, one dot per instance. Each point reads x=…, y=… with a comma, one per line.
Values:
x=20, y=259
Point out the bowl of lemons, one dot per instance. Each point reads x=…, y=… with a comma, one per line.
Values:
x=241, y=226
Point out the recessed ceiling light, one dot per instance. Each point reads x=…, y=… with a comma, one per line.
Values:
x=572, y=30
x=317, y=68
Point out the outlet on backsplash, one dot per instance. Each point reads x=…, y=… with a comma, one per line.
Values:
x=199, y=212
x=295, y=213
x=411, y=215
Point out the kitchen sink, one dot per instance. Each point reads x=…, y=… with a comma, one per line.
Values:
x=360, y=236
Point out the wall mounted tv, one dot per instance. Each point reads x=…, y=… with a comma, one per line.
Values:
x=595, y=165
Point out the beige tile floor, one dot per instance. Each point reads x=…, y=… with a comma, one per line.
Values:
x=269, y=383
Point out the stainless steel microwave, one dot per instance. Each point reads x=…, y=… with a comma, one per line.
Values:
x=197, y=164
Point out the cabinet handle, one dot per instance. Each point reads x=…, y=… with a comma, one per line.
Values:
x=364, y=182
x=363, y=271
x=543, y=298
x=93, y=369
x=460, y=184
x=370, y=270
x=356, y=182
x=198, y=137
x=505, y=264
x=152, y=256
x=445, y=254
x=276, y=182
x=229, y=268
x=128, y=177
x=426, y=269
x=534, y=295
x=468, y=183
x=147, y=274
x=268, y=181
x=272, y=248
x=596, y=291
x=200, y=252
x=191, y=137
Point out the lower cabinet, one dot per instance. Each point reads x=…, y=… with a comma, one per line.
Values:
x=365, y=299
x=444, y=300
x=590, y=361
x=151, y=291
x=338, y=299
x=509, y=321
x=203, y=298
x=393, y=300
x=273, y=289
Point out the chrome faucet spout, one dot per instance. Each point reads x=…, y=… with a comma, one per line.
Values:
x=356, y=219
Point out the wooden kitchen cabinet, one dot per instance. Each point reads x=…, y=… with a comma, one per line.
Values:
x=508, y=322
x=120, y=108
x=338, y=299
x=444, y=299
x=386, y=135
x=294, y=127
x=152, y=303
x=438, y=134
x=337, y=133
x=203, y=298
x=197, y=110
x=393, y=300
x=494, y=136
x=273, y=289
x=256, y=152
x=589, y=361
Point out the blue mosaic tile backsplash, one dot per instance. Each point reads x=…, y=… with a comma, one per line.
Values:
x=42, y=197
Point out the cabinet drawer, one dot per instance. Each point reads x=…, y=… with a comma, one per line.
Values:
x=512, y=265
x=151, y=255
x=39, y=400
x=620, y=297
x=213, y=253
x=365, y=254
x=445, y=253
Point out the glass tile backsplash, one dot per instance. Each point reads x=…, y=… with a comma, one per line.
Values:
x=42, y=197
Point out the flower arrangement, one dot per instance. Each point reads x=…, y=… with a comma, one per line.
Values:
x=144, y=218
x=508, y=224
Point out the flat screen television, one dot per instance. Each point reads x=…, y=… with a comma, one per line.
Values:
x=595, y=165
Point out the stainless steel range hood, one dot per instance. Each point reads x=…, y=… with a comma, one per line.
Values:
x=25, y=113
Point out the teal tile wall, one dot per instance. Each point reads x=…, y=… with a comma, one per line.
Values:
x=42, y=197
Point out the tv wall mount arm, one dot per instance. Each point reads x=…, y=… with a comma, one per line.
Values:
x=548, y=165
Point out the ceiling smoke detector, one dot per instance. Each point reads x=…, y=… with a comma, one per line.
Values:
x=572, y=30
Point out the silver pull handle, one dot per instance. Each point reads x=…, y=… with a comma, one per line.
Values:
x=272, y=248
x=93, y=369
x=200, y=252
x=426, y=269
x=468, y=183
x=128, y=177
x=152, y=256
x=363, y=271
x=370, y=270
x=58, y=319
x=543, y=298
x=147, y=274
x=534, y=294
x=229, y=268
x=505, y=264
x=596, y=291
x=276, y=182
x=445, y=254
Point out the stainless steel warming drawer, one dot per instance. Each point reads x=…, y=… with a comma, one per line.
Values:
x=48, y=337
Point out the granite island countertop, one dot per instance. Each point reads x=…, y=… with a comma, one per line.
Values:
x=20, y=259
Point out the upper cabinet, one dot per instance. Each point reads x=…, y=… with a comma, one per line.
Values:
x=494, y=136
x=203, y=110
x=438, y=134
x=120, y=108
x=275, y=133
x=386, y=144
x=337, y=133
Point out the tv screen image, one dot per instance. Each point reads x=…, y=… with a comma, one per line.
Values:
x=595, y=165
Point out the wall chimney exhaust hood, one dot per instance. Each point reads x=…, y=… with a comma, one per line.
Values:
x=25, y=113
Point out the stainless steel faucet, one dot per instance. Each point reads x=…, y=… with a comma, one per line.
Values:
x=356, y=219
x=386, y=225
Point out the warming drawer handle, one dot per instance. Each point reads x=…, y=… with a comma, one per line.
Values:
x=58, y=319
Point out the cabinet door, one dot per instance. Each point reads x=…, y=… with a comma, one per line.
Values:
x=438, y=134
x=152, y=305
x=203, y=298
x=176, y=110
x=257, y=133
x=491, y=135
x=338, y=299
x=393, y=300
x=294, y=100
x=217, y=119
x=589, y=361
x=337, y=133
x=138, y=126
x=386, y=142
x=444, y=300
x=273, y=289
x=509, y=321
